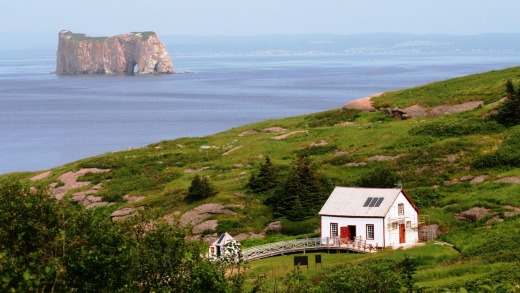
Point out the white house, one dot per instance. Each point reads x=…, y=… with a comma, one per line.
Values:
x=225, y=245
x=381, y=216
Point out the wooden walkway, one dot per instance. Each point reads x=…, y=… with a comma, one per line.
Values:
x=303, y=245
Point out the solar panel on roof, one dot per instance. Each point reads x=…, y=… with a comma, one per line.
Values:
x=373, y=202
x=379, y=201
x=367, y=202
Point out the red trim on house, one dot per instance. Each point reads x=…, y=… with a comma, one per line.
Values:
x=411, y=202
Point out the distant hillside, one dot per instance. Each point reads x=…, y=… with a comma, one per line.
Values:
x=46, y=44
x=342, y=44
x=461, y=169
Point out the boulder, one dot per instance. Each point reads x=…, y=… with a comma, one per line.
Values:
x=125, y=213
x=274, y=227
x=474, y=214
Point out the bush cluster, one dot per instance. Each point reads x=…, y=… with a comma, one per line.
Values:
x=455, y=128
x=380, y=177
x=200, y=188
x=426, y=196
x=48, y=246
x=507, y=155
x=330, y=118
x=317, y=150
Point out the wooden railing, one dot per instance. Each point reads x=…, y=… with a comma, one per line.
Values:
x=303, y=245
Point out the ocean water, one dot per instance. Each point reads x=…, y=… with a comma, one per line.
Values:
x=48, y=120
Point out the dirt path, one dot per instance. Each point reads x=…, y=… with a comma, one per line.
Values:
x=283, y=136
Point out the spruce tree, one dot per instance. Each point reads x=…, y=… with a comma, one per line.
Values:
x=200, y=188
x=265, y=180
x=301, y=194
x=509, y=112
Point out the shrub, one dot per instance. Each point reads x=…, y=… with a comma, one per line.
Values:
x=227, y=226
x=330, y=118
x=455, y=128
x=379, y=177
x=299, y=227
x=425, y=196
x=316, y=150
x=508, y=154
x=370, y=276
x=200, y=188
x=412, y=142
x=342, y=160
x=48, y=246
x=380, y=117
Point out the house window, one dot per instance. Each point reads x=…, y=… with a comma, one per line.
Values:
x=370, y=232
x=408, y=224
x=394, y=225
x=333, y=229
x=400, y=209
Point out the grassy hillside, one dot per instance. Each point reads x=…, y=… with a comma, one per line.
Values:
x=478, y=87
x=447, y=164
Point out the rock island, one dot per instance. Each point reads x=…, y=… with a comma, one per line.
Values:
x=131, y=53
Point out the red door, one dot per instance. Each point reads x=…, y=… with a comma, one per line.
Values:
x=345, y=233
x=402, y=234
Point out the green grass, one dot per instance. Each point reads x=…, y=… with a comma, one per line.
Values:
x=428, y=257
x=83, y=37
x=487, y=87
x=145, y=35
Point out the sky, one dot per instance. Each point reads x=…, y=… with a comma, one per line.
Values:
x=261, y=17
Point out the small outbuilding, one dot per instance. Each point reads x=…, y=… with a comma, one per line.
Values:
x=223, y=246
x=382, y=217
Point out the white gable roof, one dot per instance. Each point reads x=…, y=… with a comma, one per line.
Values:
x=224, y=239
x=354, y=202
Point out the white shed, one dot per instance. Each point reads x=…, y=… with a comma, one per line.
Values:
x=381, y=216
x=224, y=245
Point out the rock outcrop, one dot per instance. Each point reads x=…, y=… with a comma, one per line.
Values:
x=79, y=54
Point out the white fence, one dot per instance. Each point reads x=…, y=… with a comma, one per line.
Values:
x=303, y=245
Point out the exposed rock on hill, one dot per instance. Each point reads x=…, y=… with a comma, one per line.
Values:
x=363, y=104
x=419, y=111
x=79, y=54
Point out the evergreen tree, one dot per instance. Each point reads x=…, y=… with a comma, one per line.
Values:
x=200, y=188
x=509, y=112
x=510, y=89
x=266, y=178
x=301, y=194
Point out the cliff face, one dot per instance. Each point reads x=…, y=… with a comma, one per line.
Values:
x=79, y=54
